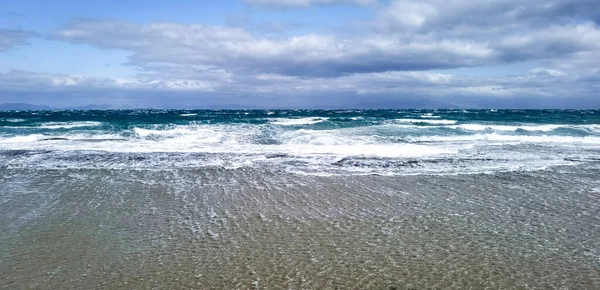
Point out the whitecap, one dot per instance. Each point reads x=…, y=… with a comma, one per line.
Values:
x=69, y=125
x=434, y=122
x=296, y=122
x=14, y=120
x=524, y=127
x=429, y=116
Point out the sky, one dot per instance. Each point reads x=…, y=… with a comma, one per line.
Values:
x=301, y=53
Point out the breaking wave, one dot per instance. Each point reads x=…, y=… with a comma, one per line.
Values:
x=308, y=142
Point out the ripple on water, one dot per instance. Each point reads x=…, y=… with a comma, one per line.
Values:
x=244, y=228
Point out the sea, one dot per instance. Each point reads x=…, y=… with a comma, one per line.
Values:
x=300, y=199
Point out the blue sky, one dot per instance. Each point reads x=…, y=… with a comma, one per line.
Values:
x=301, y=53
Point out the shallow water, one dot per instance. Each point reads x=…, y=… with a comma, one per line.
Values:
x=242, y=228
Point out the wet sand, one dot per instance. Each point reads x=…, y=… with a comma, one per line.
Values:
x=250, y=228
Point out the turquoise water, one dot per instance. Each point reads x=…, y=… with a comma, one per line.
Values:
x=305, y=141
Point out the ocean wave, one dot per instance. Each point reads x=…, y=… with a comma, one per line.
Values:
x=429, y=116
x=510, y=138
x=69, y=125
x=426, y=121
x=21, y=139
x=225, y=139
x=483, y=127
x=14, y=120
x=379, y=140
x=371, y=143
x=35, y=141
x=299, y=121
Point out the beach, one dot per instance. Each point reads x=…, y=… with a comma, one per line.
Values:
x=456, y=213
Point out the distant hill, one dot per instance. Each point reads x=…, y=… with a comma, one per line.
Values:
x=22, y=107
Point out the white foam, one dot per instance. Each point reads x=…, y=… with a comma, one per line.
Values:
x=21, y=139
x=188, y=115
x=182, y=135
x=65, y=142
x=225, y=139
x=434, y=122
x=295, y=122
x=236, y=139
x=240, y=145
x=69, y=125
x=144, y=133
x=429, y=116
x=511, y=138
x=14, y=120
x=506, y=128
x=351, y=142
x=368, y=150
x=594, y=128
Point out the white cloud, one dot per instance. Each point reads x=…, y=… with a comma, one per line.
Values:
x=541, y=81
x=391, y=58
x=30, y=81
x=551, y=42
x=447, y=15
x=234, y=49
x=547, y=72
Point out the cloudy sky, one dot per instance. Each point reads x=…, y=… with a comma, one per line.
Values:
x=301, y=53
